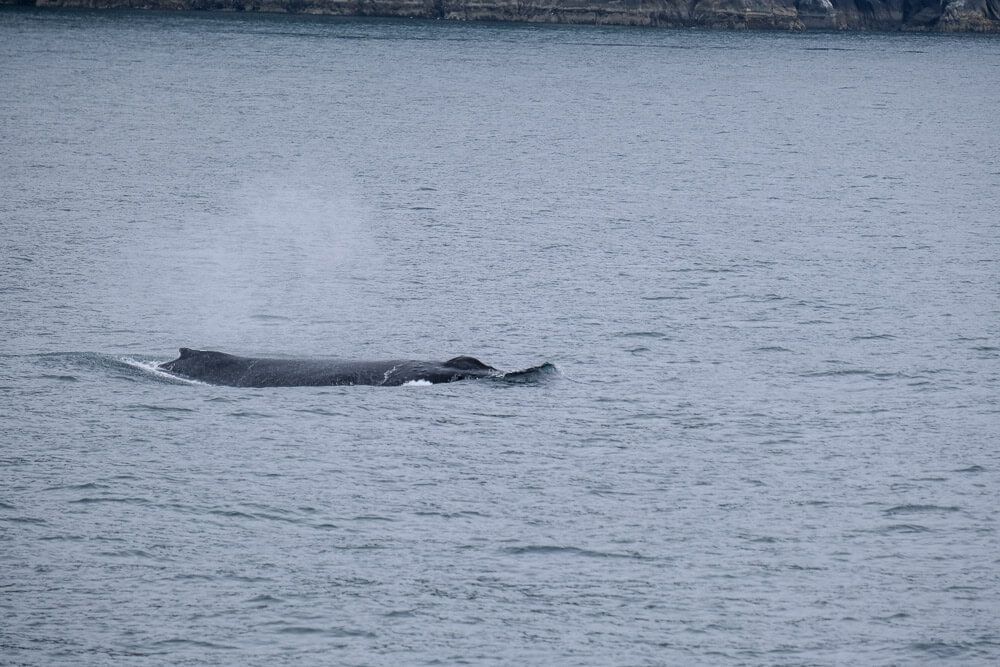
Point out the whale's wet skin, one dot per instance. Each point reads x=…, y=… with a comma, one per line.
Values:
x=227, y=369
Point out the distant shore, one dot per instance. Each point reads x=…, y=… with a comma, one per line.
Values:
x=880, y=15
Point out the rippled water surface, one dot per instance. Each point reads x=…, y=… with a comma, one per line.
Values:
x=765, y=265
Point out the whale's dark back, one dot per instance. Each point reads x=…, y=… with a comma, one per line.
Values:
x=468, y=364
x=227, y=369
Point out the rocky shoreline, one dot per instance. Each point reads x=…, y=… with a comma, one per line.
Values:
x=885, y=15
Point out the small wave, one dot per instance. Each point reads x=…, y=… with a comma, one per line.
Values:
x=323, y=412
x=547, y=549
x=330, y=632
x=87, y=500
x=23, y=519
x=140, y=407
x=193, y=643
x=903, y=528
x=61, y=378
x=188, y=576
x=127, y=553
x=846, y=372
x=368, y=546
x=86, y=486
x=418, y=383
x=232, y=514
x=920, y=509
x=265, y=599
x=273, y=515
x=452, y=515
x=881, y=376
x=972, y=468
x=643, y=334
x=244, y=578
x=893, y=617
x=941, y=649
x=300, y=630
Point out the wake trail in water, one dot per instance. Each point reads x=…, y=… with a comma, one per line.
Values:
x=152, y=368
x=126, y=366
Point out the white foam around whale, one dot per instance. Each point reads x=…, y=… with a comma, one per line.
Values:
x=153, y=368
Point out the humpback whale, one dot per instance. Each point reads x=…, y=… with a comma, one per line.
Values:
x=230, y=370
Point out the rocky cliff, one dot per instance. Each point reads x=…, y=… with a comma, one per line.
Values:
x=932, y=15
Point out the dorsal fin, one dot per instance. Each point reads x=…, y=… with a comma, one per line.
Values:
x=468, y=364
x=187, y=352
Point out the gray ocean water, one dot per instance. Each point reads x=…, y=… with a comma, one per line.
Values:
x=767, y=267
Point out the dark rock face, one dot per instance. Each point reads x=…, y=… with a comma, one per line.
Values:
x=914, y=15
